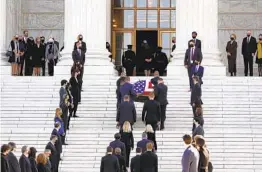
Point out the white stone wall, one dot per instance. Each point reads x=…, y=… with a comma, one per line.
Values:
x=238, y=16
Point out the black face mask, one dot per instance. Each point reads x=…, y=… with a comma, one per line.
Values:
x=42, y=41
x=16, y=38
x=80, y=39
x=194, y=37
x=232, y=39
x=173, y=42
x=248, y=35
x=191, y=45
x=260, y=39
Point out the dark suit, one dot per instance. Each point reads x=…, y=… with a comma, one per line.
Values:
x=53, y=157
x=75, y=91
x=154, y=80
x=148, y=162
x=128, y=140
x=197, y=71
x=43, y=62
x=127, y=89
x=173, y=47
x=79, y=56
x=142, y=144
x=128, y=62
x=58, y=146
x=25, y=164
x=109, y=163
x=118, y=144
x=192, y=55
x=13, y=163
x=126, y=112
x=197, y=43
x=160, y=62
x=196, y=94
x=151, y=113
x=247, y=49
x=83, y=46
x=33, y=164
x=4, y=163
x=42, y=168
x=161, y=96
x=201, y=121
x=198, y=131
x=122, y=163
x=135, y=164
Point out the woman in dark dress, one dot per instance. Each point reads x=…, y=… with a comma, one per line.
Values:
x=147, y=55
x=38, y=56
x=203, y=155
x=128, y=139
x=151, y=135
x=259, y=55
x=232, y=55
x=75, y=89
x=32, y=159
x=41, y=163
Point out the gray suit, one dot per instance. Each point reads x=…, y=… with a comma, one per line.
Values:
x=62, y=93
x=198, y=131
x=190, y=160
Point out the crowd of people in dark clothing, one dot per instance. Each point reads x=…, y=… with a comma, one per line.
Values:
x=29, y=56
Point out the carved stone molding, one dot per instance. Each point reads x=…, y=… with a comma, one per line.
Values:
x=43, y=21
x=239, y=6
x=43, y=6
x=241, y=21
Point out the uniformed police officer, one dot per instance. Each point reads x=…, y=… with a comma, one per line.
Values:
x=128, y=60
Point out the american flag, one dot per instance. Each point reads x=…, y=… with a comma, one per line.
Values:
x=144, y=87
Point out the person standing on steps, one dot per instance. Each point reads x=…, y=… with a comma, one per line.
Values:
x=135, y=161
x=75, y=90
x=127, y=89
x=128, y=60
x=64, y=102
x=118, y=144
x=161, y=96
x=12, y=160
x=154, y=80
x=62, y=128
x=58, y=143
x=196, y=94
x=231, y=50
x=149, y=160
x=109, y=163
x=259, y=55
x=196, y=41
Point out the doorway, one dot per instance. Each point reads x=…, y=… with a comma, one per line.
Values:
x=152, y=39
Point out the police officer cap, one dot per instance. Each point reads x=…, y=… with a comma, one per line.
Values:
x=129, y=46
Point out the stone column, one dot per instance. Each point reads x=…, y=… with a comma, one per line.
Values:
x=108, y=21
x=200, y=16
x=3, y=46
x=89, y=19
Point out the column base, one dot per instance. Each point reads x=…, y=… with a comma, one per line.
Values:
x=211, y=62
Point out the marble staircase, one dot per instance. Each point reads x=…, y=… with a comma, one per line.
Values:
x=232, y=112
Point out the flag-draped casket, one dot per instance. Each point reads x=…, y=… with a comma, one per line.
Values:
x=143, y=88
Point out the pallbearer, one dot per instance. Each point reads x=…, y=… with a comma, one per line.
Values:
x=128, y=60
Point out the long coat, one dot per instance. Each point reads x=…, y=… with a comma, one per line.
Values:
x=13, y=163
x=232, y=49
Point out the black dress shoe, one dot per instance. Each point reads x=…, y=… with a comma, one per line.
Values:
x=65, y=144
x=75, y=116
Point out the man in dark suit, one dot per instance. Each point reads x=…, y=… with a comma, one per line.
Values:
x=118, y=144
x=161, y=96
x=151, y=113
x=154, y=80
x=128, y=60
x=62, y=103
x=121, y=160
x=53, y=156
x=198, y=128
x=58, y=143
x=109, y=163
x=249, y=48
x=195, y=40
x=79, y=57
x=193, y=55
x=127, y=89
x=43, y=60
x=80, y=40
x=24, y=161
x=12, y=160
x=126, y=112
x=135, y=161
x=197, y=70
x=160, y=61
x=142, y=143
x=119, y=83
x=196, y=94
x=149, y=160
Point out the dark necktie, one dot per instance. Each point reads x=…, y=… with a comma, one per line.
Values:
x=192, y=53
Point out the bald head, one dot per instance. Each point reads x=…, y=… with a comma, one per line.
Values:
x=248, y=33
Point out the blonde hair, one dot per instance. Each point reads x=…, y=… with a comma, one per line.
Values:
x=234, y=35
x=149, y=129
x=58, y=112
x=127, y=127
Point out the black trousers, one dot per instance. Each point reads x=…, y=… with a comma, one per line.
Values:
x=51, y=64
x=163, y=116
x=190, y=77
x=43, y=67
x=71, y=110
x=65, y=116
x=248, y=63
x=128, y=150
x=58, y=161
x=28, y=67
x=22, y=61
x=129, y=71
x=153, y=124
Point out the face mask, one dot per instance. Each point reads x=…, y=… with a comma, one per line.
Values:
x=248, y=35
x=80, y=39
x=232, y=38
x=173, y=41
x=260, y=39
x=16, y=38
x=194, y=37
x=42, y=40
x=191, y=45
